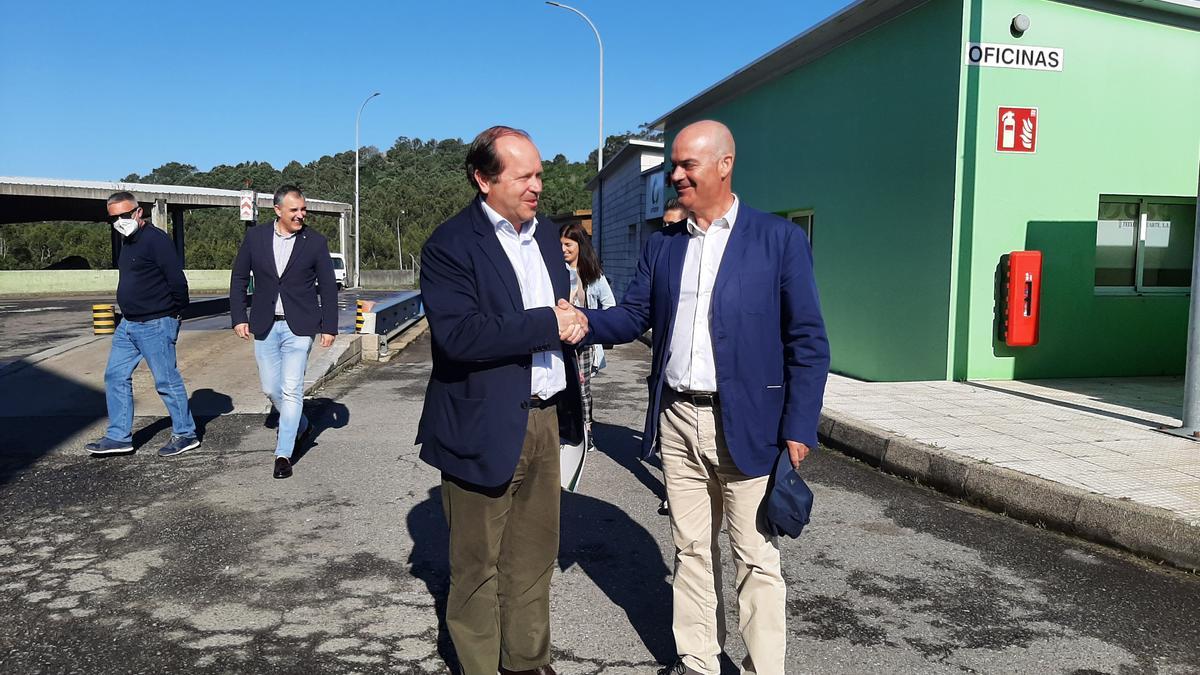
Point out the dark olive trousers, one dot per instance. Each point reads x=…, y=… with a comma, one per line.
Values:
x=503, y=546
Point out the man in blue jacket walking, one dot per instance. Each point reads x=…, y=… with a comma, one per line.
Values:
x=294, y=301
x=737, y=377
x=152, y=293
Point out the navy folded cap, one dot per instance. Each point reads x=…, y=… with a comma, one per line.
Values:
x=790, y=501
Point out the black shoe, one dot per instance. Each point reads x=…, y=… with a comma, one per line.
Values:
x=678, y=668
x=283, y=467
x=664, y=509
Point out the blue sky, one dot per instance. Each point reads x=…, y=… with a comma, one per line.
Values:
x=96, y=90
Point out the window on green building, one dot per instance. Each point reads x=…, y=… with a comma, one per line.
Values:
x=1144, y=244
x=804, y=219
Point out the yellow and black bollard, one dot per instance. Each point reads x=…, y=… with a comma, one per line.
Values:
x=104, y=321
x=358, y=317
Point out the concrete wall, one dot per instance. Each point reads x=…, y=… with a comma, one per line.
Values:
x=19, y=282
x=388, y=279
x=1121, y=118
x=16, y=282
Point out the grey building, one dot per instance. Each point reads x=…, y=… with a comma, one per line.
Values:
x=627, y=206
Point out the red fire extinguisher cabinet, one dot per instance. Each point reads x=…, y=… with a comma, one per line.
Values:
x=1024, y=298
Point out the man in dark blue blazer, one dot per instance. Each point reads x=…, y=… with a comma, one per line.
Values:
x=737, y=376
x=295, y=299
x=502, y=392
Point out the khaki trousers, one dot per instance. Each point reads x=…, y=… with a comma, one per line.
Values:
x=704, y=487
x=503, y=546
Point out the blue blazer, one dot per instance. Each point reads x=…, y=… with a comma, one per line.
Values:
x=772, y=356
x=477, y=403
x=309, y=274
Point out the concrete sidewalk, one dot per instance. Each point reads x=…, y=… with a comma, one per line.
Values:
x=1080, y=456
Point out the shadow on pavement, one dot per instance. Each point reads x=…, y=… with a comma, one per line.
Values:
x=25, y=435
x=322, y=413
x=617, y=553
x=206, y=405
x=624, y=445
x=624, y=560
x=429, y=563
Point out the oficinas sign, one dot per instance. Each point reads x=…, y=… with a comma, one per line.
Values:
x=1014, y=56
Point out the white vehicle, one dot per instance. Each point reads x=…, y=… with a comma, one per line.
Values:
x=339, y=269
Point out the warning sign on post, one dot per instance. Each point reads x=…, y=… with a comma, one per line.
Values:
x=247, y=207
x=1016, y=129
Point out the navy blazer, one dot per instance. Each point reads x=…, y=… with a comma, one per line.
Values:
x=477, y=402
x=308, y=274
x=769, y=344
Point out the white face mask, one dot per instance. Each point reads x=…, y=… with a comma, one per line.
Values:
x=126, y=226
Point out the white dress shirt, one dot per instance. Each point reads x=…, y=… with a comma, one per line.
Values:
x=691, y=365
x=549, y=371
x=281, y=246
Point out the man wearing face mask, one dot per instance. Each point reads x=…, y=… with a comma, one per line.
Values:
x=152, y=293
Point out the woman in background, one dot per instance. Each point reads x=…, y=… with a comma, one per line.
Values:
x=589, y=289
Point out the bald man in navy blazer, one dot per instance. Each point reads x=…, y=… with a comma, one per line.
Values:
x=737, y=377
x=502, y=393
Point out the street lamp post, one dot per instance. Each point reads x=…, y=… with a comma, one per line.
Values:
x=399, y=250
x=1191, y=381
x=357, y=238
x=600, y=146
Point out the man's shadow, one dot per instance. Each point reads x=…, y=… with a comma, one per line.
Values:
x=625, y=561
x=616, y=552
x=205, y=405
x=623, y=446
x=322, y=414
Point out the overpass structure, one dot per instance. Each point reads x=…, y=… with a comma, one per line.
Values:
x=28, y=200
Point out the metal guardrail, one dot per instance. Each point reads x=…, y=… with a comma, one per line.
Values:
x=396, y=312
x=384, y=319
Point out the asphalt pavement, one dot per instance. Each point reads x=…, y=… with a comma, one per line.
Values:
x=32, y=324
x=203, y=563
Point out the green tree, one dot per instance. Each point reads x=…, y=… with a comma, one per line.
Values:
x=414, y=183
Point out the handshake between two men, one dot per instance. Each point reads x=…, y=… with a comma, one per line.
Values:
x=572, y=324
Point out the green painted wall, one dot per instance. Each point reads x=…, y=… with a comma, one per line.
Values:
x=866, y=136
x=1123, y=117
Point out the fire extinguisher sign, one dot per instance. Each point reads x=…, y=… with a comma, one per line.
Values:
x=1016, y=129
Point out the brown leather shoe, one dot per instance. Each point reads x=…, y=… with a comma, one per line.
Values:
x=283, y=467
x=540, y=670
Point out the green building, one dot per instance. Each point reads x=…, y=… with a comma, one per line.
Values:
x=887, y=132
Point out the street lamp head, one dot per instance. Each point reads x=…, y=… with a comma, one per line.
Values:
x=600, y=144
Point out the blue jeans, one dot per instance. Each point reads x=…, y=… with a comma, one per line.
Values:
x=154, y=341
x=282, y=358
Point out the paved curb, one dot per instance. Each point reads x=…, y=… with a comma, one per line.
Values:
x=345, y=352
x=1151, y=532
x=406, y=338
x=32, y=359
